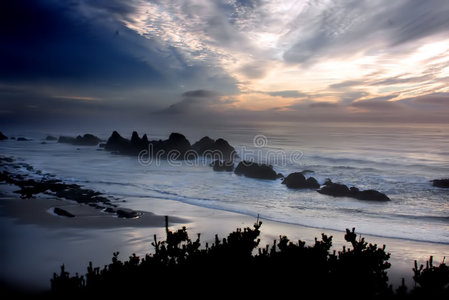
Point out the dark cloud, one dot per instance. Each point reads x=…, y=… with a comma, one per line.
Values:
x=200, y=94
x=379, y=104
x=287, y=94
x=401, y=80
x=433, y=99
x=346, y=84
x=324, y=104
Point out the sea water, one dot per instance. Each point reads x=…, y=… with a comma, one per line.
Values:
x=399, y=160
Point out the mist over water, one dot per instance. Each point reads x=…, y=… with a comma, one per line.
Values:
x=398, y=160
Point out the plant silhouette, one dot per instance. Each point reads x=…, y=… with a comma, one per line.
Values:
x=235, y=267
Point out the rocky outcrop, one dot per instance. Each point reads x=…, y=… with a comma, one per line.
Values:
x=441, y=183
x=117, y=143
x=218, y=149
x=85, y=140
x=220, y=166
x=298, y=181
x=255, y=170
x=51, y=138
x=177, y=146
x=2, y=136
x=340, y=190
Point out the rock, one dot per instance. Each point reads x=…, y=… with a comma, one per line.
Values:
x=85, y=140
x=371, y=195
x=66, y=139
x=176, y=144
x=62, y=212
x=127, y=214
x=255, y=170
x=335, y=189
x=219, y=165
x=218, y=149
x=22, y=139
x=2, y=136
x=340, y=190
x=441, y=183
x=51, y=138
x=203, y=145
x=117, y=143
x=298, y=181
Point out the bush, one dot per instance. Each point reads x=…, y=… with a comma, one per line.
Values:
x=232, y=267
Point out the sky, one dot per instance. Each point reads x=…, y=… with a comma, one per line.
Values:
x=192, y=61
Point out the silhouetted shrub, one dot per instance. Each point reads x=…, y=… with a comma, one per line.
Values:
x=180, y=267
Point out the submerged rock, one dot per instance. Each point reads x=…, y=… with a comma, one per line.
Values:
x=441, y=183
x=127, y=214
x=298, y=181
x=62, y=212
x=255, y=170
x=340, y=190
x=22, y=139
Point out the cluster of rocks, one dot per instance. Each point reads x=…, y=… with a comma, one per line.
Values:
x=85, y=140
x=29, y=188
x=297, y=180
x=177, y=146
x=340, y=190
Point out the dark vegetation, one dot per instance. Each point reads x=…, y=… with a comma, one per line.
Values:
x=235, y=267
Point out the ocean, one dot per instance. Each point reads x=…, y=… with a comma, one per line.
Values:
x=399, y=160
x=396, y=159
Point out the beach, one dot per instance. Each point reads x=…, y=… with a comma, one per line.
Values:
x=35, y=242
x=119, y=202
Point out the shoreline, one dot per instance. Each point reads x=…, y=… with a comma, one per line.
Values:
x=198, y=220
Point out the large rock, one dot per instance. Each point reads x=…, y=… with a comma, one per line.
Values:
x=85, y=140
x=441, y=183
x=177, y=144
x=51, y=138
x=335, y=189
x=2, y=136
x=340, y=190
x=218, y=149
x=117, y=143
x=255, y=170
x=219, y=165
x=298, y=181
